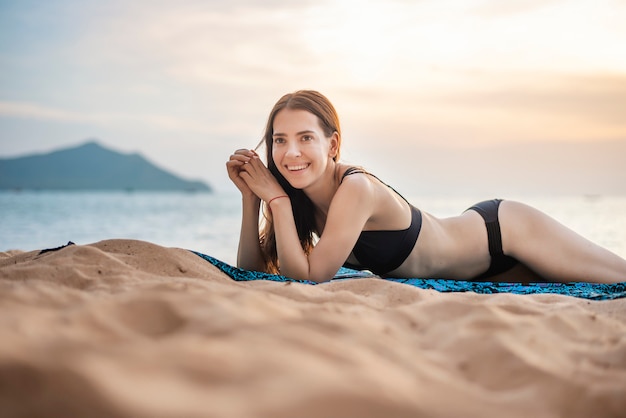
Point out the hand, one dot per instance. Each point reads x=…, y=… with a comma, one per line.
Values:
x=260, y=180
x=235, y=165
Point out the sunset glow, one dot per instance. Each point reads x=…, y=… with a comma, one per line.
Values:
x=188, y=83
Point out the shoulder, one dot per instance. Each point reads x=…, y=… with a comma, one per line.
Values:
x=352, y=205
x=346, y=172
x=355, y=183
x=353, y=174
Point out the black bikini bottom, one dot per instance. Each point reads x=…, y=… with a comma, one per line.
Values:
x=499, y=261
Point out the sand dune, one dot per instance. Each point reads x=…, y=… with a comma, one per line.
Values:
x=126, y=328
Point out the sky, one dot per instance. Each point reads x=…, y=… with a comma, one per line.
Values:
x=433, y=95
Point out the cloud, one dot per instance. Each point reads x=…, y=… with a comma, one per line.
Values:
x=39, y=112
x=498, y=9
x=35, y=111
x=200, y=43
x=486, y=109
x=403, y=73
x=570, y=106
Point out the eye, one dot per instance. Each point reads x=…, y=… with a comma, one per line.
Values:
x=307, y=138
x=279, y=140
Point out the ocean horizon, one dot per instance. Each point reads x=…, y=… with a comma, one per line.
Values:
x=210, y=222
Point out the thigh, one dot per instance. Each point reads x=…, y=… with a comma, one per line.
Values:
x=552, y=250
x=519, y=273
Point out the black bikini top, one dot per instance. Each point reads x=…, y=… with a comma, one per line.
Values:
x=382, y=251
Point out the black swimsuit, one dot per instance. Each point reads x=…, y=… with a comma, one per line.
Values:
x=383, y=251
x=499, y=261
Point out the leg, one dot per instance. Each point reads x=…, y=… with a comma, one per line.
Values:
x=519, y=273
x=553, y=251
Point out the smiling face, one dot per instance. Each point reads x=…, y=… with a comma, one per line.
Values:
x=300, y=150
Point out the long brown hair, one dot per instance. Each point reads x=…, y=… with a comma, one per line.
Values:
x=302, y=207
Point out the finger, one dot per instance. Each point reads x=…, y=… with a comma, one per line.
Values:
x=256, y=162
x=234, y=165
x=246, y=177
x=251, y=167
x=240, y=157
x=239, y=161
x=246, y=152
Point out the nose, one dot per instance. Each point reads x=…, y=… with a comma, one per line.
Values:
x=293, y=149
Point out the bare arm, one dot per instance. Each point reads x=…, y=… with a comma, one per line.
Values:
x=249, y=255
x=249, y=252
x=350, y=209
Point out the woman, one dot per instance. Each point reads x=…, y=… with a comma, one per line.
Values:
x=361, y=222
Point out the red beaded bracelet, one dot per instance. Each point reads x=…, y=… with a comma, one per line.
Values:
x=274, y=198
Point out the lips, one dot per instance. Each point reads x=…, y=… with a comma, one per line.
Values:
x=297, y=167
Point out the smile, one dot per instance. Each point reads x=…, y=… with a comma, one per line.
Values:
x=298, y=167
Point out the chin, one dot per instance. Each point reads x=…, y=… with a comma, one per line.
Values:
x=297, y=185
x=294, y=181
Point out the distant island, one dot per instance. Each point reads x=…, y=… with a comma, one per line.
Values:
x=90, y=166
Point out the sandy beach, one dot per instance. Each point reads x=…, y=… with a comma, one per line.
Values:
x=124, y=328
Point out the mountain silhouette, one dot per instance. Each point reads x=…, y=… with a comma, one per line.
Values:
x=90, y=167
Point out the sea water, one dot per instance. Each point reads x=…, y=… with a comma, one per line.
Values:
x=209, y=223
